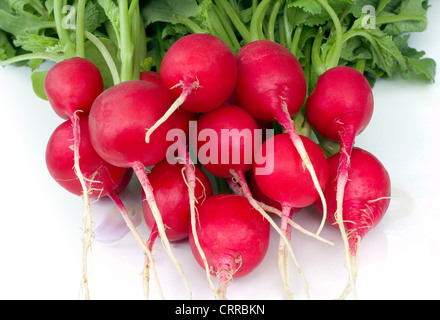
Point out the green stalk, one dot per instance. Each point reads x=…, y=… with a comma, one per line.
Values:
x=295, y=40
x=272, y=20
x=133, y=13
x=256, y=32
x=225, y=21
x=333, y=58
x=80, y=28
x=31, y=56
x=235, y=19
x=68, y=47
x=400, y=18
x=106, y=55
x=317, y=63
x=194, y=27
x=126, y=42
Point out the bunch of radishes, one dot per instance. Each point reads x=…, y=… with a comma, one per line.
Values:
x=146, y=123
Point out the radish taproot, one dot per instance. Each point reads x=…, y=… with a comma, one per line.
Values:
x=367, y=196
x=289, y=184
x=71, y=86
x=199, y=72
x=340, y=108
x=271, y=85
x=118, y=119
x=103, y=179
x=233, y=235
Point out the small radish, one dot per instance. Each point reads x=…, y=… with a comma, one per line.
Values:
x=102, y=178
x=71, y=87
x=118, y=121
x=199, y=72
x=340, y=108
x=271, y=85
x=171, y=194
x=289, y=184
x=233, y=235
x=367, y=196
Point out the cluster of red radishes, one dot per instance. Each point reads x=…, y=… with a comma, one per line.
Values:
x=126, y=128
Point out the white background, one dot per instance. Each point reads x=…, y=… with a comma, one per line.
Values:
x=40, y=223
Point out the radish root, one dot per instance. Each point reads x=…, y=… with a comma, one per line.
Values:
x=237, y=190
x=347, y=141
x=139, y=239
x=139, y=170
x=186, y=91
x=191, y=183
x=286, y=121
x=239, y=177
x=87, y=227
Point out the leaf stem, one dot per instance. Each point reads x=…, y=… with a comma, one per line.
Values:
x=126, y=42
x=256, y=32
x=68, y=47
x=106, y=55
x=235, y=19
x=30, y=56
x=333, y=58
x=80, y=52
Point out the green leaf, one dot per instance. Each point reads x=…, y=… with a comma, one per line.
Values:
x=94, y=16
x=408, y=8
x=169, y=11
x=37, y=78
x=6, y=48
x=417, y=64
x=37, y=43
x=22, y=22
x=112, y=12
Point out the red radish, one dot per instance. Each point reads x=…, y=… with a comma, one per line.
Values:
x=366, y=197
x=233, y=235
x=271, y=85
x=118, y=120
x=199, y=71
x=289, y=184
x=171, y=194
x=340, y=108
x=71, y=87
x=103, y=179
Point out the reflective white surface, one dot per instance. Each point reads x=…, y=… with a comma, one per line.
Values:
x=40, y=223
